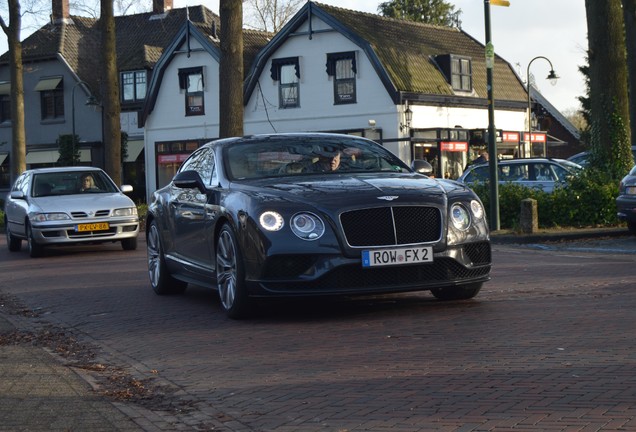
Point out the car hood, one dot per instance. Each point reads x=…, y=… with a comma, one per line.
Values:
x=84, y=202
x=342, y=191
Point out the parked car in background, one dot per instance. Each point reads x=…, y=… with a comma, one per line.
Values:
x=540, y=173
x=626, y=200
x=68, y=205
x=309, y=215
x=581, y=158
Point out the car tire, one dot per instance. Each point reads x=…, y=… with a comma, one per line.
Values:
x=160, y=279
x=129, y=244
x=230, y=275
x=13, y=243
x=35, y=250
x=631, y=226
x=462, y=292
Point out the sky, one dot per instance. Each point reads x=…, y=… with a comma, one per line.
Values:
x=555, y=29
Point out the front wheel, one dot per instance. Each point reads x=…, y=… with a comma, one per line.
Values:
x=13, y=243
x=461, y=292
x=35, y=250
x=230, y=275
x=631, y=226
x=160, y=279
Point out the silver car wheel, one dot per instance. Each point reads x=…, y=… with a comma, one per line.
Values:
x=226, y=269
x=154, y=255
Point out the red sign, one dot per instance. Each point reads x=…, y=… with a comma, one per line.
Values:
x=511, y=136
x=454, y=146
x=167, y=159
x=537, y=137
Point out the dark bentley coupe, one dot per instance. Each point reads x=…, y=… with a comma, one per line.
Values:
x=313, y=214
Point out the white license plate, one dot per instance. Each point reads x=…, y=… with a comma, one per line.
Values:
x=397, y=256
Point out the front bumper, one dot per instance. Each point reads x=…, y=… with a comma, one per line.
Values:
x=66, y=233
x=311, y=275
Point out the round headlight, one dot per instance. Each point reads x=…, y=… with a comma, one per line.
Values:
x=459, y=217
x=477, y=208
x=271, y=221
x=307, y=226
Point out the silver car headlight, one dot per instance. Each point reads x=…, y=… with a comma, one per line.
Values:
x=460, y=217
x=271, y=221
x=128, y=211
x=48, y=217
x=307, y=226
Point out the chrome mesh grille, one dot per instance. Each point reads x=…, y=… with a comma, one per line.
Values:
x=391, y=226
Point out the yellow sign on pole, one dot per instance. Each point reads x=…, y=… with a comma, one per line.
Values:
x=505, y=3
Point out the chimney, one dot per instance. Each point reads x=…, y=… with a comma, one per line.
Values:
x=161, y=6
x=60, y=12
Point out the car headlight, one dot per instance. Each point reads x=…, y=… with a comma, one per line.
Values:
x=477, y=209
x=307, y=226
x=129, y=211
x=46, y=217
x=271, y=221
x=460, y=217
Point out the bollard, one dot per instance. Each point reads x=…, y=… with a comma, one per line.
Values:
x=529, y=218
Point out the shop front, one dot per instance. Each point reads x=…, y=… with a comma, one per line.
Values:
x=446, y=149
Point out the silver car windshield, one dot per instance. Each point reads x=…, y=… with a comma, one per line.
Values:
x=70, y=183
x=253, y=160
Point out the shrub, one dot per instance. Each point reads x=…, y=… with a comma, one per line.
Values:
x=586, y=200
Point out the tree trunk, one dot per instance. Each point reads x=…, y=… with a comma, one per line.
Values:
x=608, y=84
x=111, y=104
x=629, y=15
x=18, y=132
x=231, y=69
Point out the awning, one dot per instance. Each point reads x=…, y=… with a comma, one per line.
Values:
x=5, y=88
x=51, y=156
x=134, y=149
x=42, y=156
x=3, y=156
x=49, y=83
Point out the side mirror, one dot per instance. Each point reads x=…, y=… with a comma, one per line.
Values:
x=17, y=195
x=126, y=188
x=189, y=180
x=422, y=167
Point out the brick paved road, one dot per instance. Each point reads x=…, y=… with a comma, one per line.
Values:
x=549, y=344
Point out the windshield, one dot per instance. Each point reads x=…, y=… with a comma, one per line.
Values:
x=300, y=157
x=70, y=183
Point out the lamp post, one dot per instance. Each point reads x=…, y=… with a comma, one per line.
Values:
x=91, y=101
x=492, y=142
x=552, y=76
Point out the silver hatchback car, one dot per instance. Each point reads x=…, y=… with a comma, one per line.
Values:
x=68, y=205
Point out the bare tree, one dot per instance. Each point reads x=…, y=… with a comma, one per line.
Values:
x=270, y=15
x=91, y=8
x=111, y=105
x=231, y=68
x=18, y=136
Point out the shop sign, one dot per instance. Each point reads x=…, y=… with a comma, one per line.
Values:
x=166, y=159
x=511, y=136
x=454, y=146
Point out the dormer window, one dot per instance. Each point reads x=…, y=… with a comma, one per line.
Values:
x=342, y=67
x=287, y=72
x=458, y=71
x=133, y=86
x=191, y=80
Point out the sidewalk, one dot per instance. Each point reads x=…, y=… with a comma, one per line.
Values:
x=39, y=393
x=556, y=235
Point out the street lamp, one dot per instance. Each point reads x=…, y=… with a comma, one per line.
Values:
x=552, y=76
x=90, y=101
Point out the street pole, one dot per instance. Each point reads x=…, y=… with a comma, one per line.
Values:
x=552, y=77
x=91, y=101
x=492, y=142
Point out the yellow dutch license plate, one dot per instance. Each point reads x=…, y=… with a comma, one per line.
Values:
x=102, y=226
